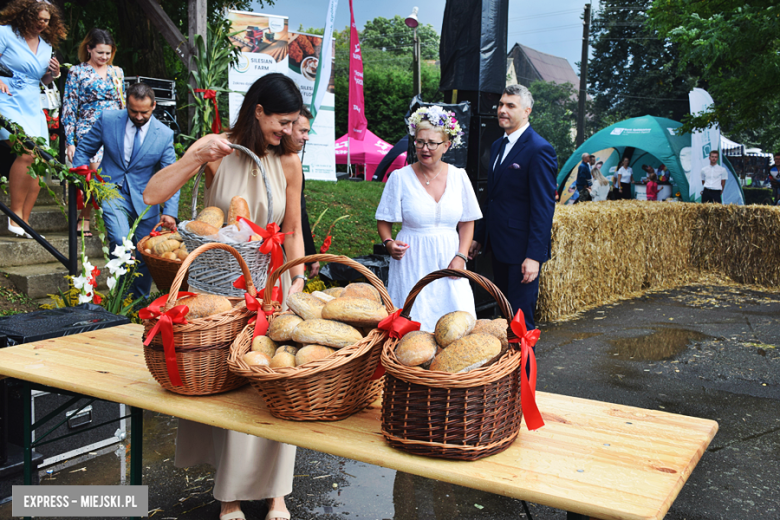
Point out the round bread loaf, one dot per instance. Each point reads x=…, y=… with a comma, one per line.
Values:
x=360, y=312
x=452, y=326
x=312, y=353
x=466, y=354
x=416, y=348
x=361, y=290
x=282, y=327
x=256, y=358
x=336, y=292
x=238, y=208
x=166, y=246
x=288, y=348
x=202, y=305
x=305, y=305
x=203, y=229
x=322, y=296
x=265, y=345
x=182, y=253
x=326, y=332
x=495, y=328
x=211, y=215
x=283, y=360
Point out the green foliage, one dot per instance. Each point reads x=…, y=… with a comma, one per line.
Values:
x=735, y=47
x=311, y=30
x=396, y=37
x=554, y=115
x=634, y=72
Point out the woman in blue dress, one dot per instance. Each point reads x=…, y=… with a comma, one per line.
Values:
x=93, y=86
x=28, y=31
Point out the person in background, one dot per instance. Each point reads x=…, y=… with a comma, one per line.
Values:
x=652, y=186
x=774, y=178
x=93, y=86
x=624, y=176
x=600, y=189
x=29, y=30
x=713, y=178
x=584, y=179
x=300, y=136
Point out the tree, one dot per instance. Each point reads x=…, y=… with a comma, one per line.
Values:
x=634, y=72
x=735, y=47
x=394, y=36
x=554, y=116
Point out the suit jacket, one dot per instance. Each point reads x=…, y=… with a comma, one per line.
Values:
x=583, y=177
x=156, y=153
x=520, y=202
x=308, y=240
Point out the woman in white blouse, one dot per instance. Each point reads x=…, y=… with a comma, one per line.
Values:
x=624, y=176
x=437, y=207
x=600, y=188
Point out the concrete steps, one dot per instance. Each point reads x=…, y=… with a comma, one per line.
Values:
x=44, y=219
x=40, y=280
x=26, y=252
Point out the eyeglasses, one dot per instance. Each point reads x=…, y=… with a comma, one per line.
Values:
x=420, y=144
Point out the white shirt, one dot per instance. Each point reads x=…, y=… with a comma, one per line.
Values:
x=130, y=137
x=513, y=137
x=712, y=175
x=626, y=175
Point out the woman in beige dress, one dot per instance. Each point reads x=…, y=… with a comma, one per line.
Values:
x=247, y=467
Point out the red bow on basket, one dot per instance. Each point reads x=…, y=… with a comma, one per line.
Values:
x=165, y=326
x=527, y=339
x=273, y=239
x=87, y=173
x=398, y=327
x=216, y=125
x=261, y=318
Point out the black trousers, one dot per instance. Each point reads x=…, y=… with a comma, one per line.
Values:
x=625, y=190
x=712, y=196
x=508, y=278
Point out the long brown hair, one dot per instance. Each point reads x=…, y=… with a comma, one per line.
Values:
x=94, y=38
x=22, y=16
x=277, y=94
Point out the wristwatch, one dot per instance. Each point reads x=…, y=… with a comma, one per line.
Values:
x=384, y=242
x=461, y=255
x=298, y=276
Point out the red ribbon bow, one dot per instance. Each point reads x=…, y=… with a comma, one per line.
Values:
x=397, y=325
x=87, y=173
x=261, y=318
x=326, y=244
x=527, y=339
x=216, y=125
x=165, y=326
x=154, y=233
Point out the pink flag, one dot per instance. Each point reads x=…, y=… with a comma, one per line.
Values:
x=357, y=117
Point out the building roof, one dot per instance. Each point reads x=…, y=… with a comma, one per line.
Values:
x=544, y=66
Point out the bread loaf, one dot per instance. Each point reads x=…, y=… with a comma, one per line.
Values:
x=256, y=358
x=416, y=348
x=322, y=296
x=166, y=246
x=182, y=253
x=170, y=255
x=495, y=328
x=203, y=229
x=265, y=345
x=202, y=305
x=312, y=353
x=326, y=332
x=212, y=216
x=288, y=348
x=238, y=208
x=283, y=360
x=153, y=241
x=452, y=326
x=282, y=327
x=361, y=290
x=466, y=354
x=175, y=236
x=359, y=312
x=336, y=292
x=305, y=305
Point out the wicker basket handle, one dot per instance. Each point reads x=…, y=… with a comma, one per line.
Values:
x=185, y=265
x=503, y=303
x=371, y=277
x=254, y=157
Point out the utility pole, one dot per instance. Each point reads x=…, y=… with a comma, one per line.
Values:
x=197, y=25
x=417, y=57
x=582, y=95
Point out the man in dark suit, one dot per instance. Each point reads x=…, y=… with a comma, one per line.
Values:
x=520, y=202
x=584, y=179
x=300, y=135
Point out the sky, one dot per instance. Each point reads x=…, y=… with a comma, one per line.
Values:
x=551, y=27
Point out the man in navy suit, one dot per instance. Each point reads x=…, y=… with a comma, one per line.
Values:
x=135, y=146
x=584, y=178
x=520, y=202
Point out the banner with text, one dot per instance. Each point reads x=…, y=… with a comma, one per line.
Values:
x=357, y=124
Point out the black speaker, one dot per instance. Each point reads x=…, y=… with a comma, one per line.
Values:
x=485, y=131
x=483, y=103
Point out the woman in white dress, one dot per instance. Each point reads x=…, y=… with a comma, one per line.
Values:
x=437, y=207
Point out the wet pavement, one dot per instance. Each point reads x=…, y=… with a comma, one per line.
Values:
x=710, y=352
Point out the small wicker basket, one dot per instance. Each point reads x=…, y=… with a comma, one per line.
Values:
x=329, y=389
x=453, y=416
x=215, y=271
x=163, y=270
x=201, y=345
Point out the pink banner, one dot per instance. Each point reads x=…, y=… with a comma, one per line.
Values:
x=357, y=117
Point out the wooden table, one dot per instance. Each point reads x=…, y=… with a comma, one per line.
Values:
x=596, y=459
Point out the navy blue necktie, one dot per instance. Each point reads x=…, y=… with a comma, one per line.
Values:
x=136, y=144
x=500, y=158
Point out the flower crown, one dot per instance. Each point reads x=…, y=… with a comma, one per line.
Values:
x=439, y=119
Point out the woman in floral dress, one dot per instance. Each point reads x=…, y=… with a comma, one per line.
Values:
x=93, y=86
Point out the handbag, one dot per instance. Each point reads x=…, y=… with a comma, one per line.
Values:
x=50, y=97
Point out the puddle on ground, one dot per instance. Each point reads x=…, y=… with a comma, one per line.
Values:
x=662, y=344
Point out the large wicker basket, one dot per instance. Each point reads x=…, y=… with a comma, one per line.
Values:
x=163, y=270
x=329, y=389
x=453, y=416
x=201, y=346
x=215, y=271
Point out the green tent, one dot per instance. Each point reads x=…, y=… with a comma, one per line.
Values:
x=646, y=140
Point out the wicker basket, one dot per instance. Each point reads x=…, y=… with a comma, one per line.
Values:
x=215, y=271
x=201, y=345
x=453, y=416
x=329, y=389
x=163, y=270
